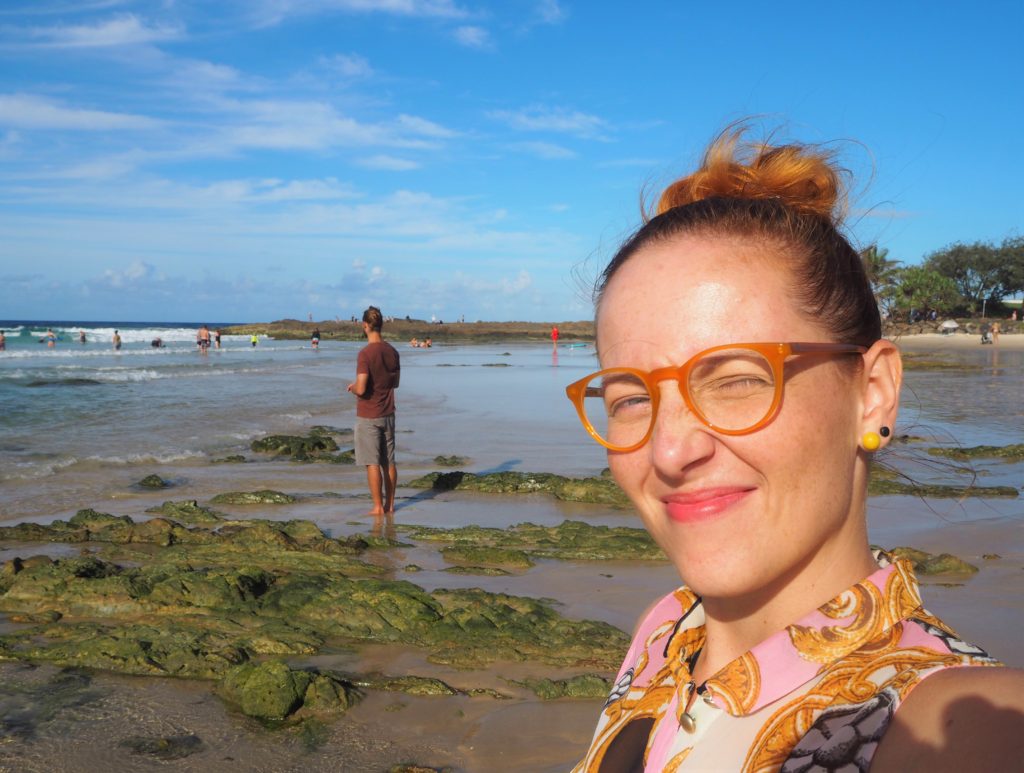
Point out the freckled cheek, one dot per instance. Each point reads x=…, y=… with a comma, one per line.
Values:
x=628, y=470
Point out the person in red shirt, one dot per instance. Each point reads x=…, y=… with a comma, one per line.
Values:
x=377, y=374
x=554, y=337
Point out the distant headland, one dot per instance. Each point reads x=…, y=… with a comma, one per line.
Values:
x=404, y=329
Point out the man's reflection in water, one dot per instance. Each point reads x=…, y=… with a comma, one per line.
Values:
x=384, y=526
x=554, y=358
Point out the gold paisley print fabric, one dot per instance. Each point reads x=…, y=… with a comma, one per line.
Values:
x=815, y=697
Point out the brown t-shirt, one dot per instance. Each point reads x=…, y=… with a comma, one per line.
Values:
x=380, y=362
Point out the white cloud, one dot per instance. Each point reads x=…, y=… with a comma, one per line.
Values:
x=473, y=37
x=349, y=65
x=553, y=119
x=426, y=128
x=315, y=125
x=137, y=271
x=26, y=111
x=388, y=163
x=124, y=30
x=270, y=12
x=550, y=12
x=546, y=150
x=517, y=284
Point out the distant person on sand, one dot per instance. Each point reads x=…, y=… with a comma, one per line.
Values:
x=216, y=338
x=554, y=337
x=315, y=340
x=117, y=341
x=995, y=332
x=254, y=339
x=378, y=370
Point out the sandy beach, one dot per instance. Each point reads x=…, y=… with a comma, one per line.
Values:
x=501, y=408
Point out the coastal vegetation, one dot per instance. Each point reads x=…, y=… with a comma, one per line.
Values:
x=961, y=279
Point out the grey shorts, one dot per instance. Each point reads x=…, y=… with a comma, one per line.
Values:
x=375, y=441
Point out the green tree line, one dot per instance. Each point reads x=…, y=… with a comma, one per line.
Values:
x=958, y=280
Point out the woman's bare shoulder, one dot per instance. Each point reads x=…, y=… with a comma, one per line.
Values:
x=969, y=718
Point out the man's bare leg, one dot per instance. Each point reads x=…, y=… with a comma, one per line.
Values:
x=373, y=480
x=390, y=484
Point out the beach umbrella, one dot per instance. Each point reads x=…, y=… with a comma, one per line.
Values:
x=949, y=324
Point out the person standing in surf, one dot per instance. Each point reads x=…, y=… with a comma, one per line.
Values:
x=378, y=370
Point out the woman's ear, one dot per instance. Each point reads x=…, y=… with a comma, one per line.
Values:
x=883, y=376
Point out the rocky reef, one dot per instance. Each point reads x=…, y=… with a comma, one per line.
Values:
x=205, y=597
x=1011, y=453
x=569, y=541
x=317, y=446
x=594, y=490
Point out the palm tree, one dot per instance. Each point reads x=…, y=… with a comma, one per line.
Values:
x=883, y=275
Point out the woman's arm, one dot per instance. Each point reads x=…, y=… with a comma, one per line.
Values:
x=960, y=719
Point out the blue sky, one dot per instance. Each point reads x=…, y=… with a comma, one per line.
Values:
x=260, y=159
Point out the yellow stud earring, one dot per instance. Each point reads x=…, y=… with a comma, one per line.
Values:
x=871, y=441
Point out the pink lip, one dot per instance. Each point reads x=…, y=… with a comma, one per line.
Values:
x=703, y=505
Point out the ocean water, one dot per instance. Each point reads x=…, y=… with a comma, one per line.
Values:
x=73, y=416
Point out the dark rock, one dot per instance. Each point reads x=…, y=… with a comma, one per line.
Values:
x=231, y=459
x=450, y=461
x=171, y=747
x=316, y=446
x=153, y=481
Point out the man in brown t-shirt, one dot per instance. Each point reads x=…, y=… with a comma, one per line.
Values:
x=377, y=374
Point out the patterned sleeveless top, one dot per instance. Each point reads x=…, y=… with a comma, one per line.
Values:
x=815, y=697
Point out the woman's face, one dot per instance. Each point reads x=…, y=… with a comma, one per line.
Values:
x=736, y=514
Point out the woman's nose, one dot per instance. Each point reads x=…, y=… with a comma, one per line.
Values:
x=678, y=439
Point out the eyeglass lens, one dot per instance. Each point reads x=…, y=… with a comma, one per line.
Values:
x=732, y=389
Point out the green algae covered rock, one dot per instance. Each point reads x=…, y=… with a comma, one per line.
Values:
x=932, y=564
x=261, y=497
x=168, y=650
x=570, y=540
x=881, y=486
x=187, y=511
x=486, y=556
x=410, y=684
x=269, y=690
x=450, y=461
x=318, y=446
x=153, y=481
x=231, y=459
x=582, y=686
x=595, y=490
x=483, y=571
x=1013, y=452
x=273, y=690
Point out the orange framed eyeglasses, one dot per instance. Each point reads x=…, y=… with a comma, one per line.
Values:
x=734, y=389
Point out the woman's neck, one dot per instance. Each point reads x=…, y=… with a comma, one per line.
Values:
x=735, y=625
